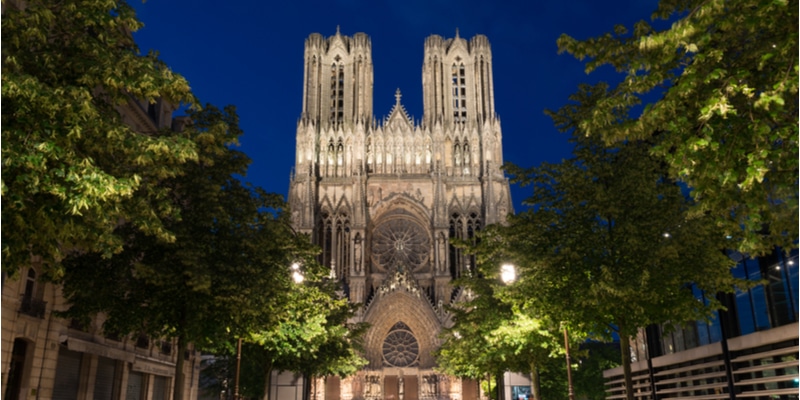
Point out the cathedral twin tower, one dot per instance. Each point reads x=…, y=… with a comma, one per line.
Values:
x=383, y=199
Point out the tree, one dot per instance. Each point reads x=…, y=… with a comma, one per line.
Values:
x=72, y=168
x=309, y=335
x=313, y=335
x=608, y=243
x=525, y=340
x=466, y=350
x=533, y=345
x=725, y=75
x=227, y=270
x=588, y=377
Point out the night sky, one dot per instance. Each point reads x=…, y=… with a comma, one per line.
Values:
x=250, y=54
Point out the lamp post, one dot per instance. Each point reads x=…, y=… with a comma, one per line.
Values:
x=508, y=274
x=569, y=370
x=238, y=367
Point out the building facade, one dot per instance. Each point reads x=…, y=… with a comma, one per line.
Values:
x=45, y=356
x=750, y=350
x=384, y=198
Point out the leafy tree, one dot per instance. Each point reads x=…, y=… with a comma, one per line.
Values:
x=72, y=168
x=227, y=270
x=490, y=335
x=466, y=350
x=533, y=345
x=588, y=377
x=726, y=77
x=310, y=335
x=525, y=340
x=313, y=336
x=608, y=243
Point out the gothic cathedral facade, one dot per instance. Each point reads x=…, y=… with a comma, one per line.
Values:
x=383, y=199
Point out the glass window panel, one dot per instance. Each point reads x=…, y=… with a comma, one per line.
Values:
x=744, y=309
x=760, y=308
x=714, y=329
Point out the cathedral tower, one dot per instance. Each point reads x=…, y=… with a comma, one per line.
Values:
x=384, y=198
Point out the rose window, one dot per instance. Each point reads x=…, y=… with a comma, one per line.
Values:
x=400, y=242
x=400, y=348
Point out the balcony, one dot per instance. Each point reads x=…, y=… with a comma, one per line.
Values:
x=32, y=307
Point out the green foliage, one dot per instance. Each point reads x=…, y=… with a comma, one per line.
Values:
x=313, y=335
x=588, y=376
x=72, y=168
x=497, y=326
x=226, y=273
x=310, y=335
x=726, y=77
x=610, y=242
x=466, y=351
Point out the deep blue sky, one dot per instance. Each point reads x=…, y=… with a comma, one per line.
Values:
x=250, y=54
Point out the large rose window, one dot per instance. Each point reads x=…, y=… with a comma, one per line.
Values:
x=400, y=348
x=400, y=242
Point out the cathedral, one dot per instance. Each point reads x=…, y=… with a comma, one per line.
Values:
x=383, y=199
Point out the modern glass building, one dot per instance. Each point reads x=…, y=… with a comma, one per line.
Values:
x=749, y=350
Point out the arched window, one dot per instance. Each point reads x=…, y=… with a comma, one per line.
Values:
x=333, y=236
x=337, y=91
x=325, y=237
x=342, y=256
x=400, y=347
x=459, y=88
x=464, y=227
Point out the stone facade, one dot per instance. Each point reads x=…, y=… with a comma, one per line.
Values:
x=384, y=198
x=48, y=357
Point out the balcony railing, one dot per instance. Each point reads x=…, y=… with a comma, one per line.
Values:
x=32, y=307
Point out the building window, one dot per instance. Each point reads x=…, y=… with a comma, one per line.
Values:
x=459, y=87
x=30, y=304
x=333, y=236
x=337, y=91
x=463, y=227
x=400, y=348
x=142, y=341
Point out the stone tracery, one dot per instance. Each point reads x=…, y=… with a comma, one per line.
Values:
x=400, y=241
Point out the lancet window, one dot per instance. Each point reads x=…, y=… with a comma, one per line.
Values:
x=459, y=87
x=337, y=91
x=463, y=227
x=484, y=89
x=333, y=236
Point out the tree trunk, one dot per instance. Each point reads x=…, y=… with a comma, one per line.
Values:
x=500, y=386
x=177, y=390
x=625, y=349
x=536, y=387
x=267, y=380
x=307, y=386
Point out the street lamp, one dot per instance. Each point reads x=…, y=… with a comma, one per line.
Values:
x=297, y=275
x=508, y=273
